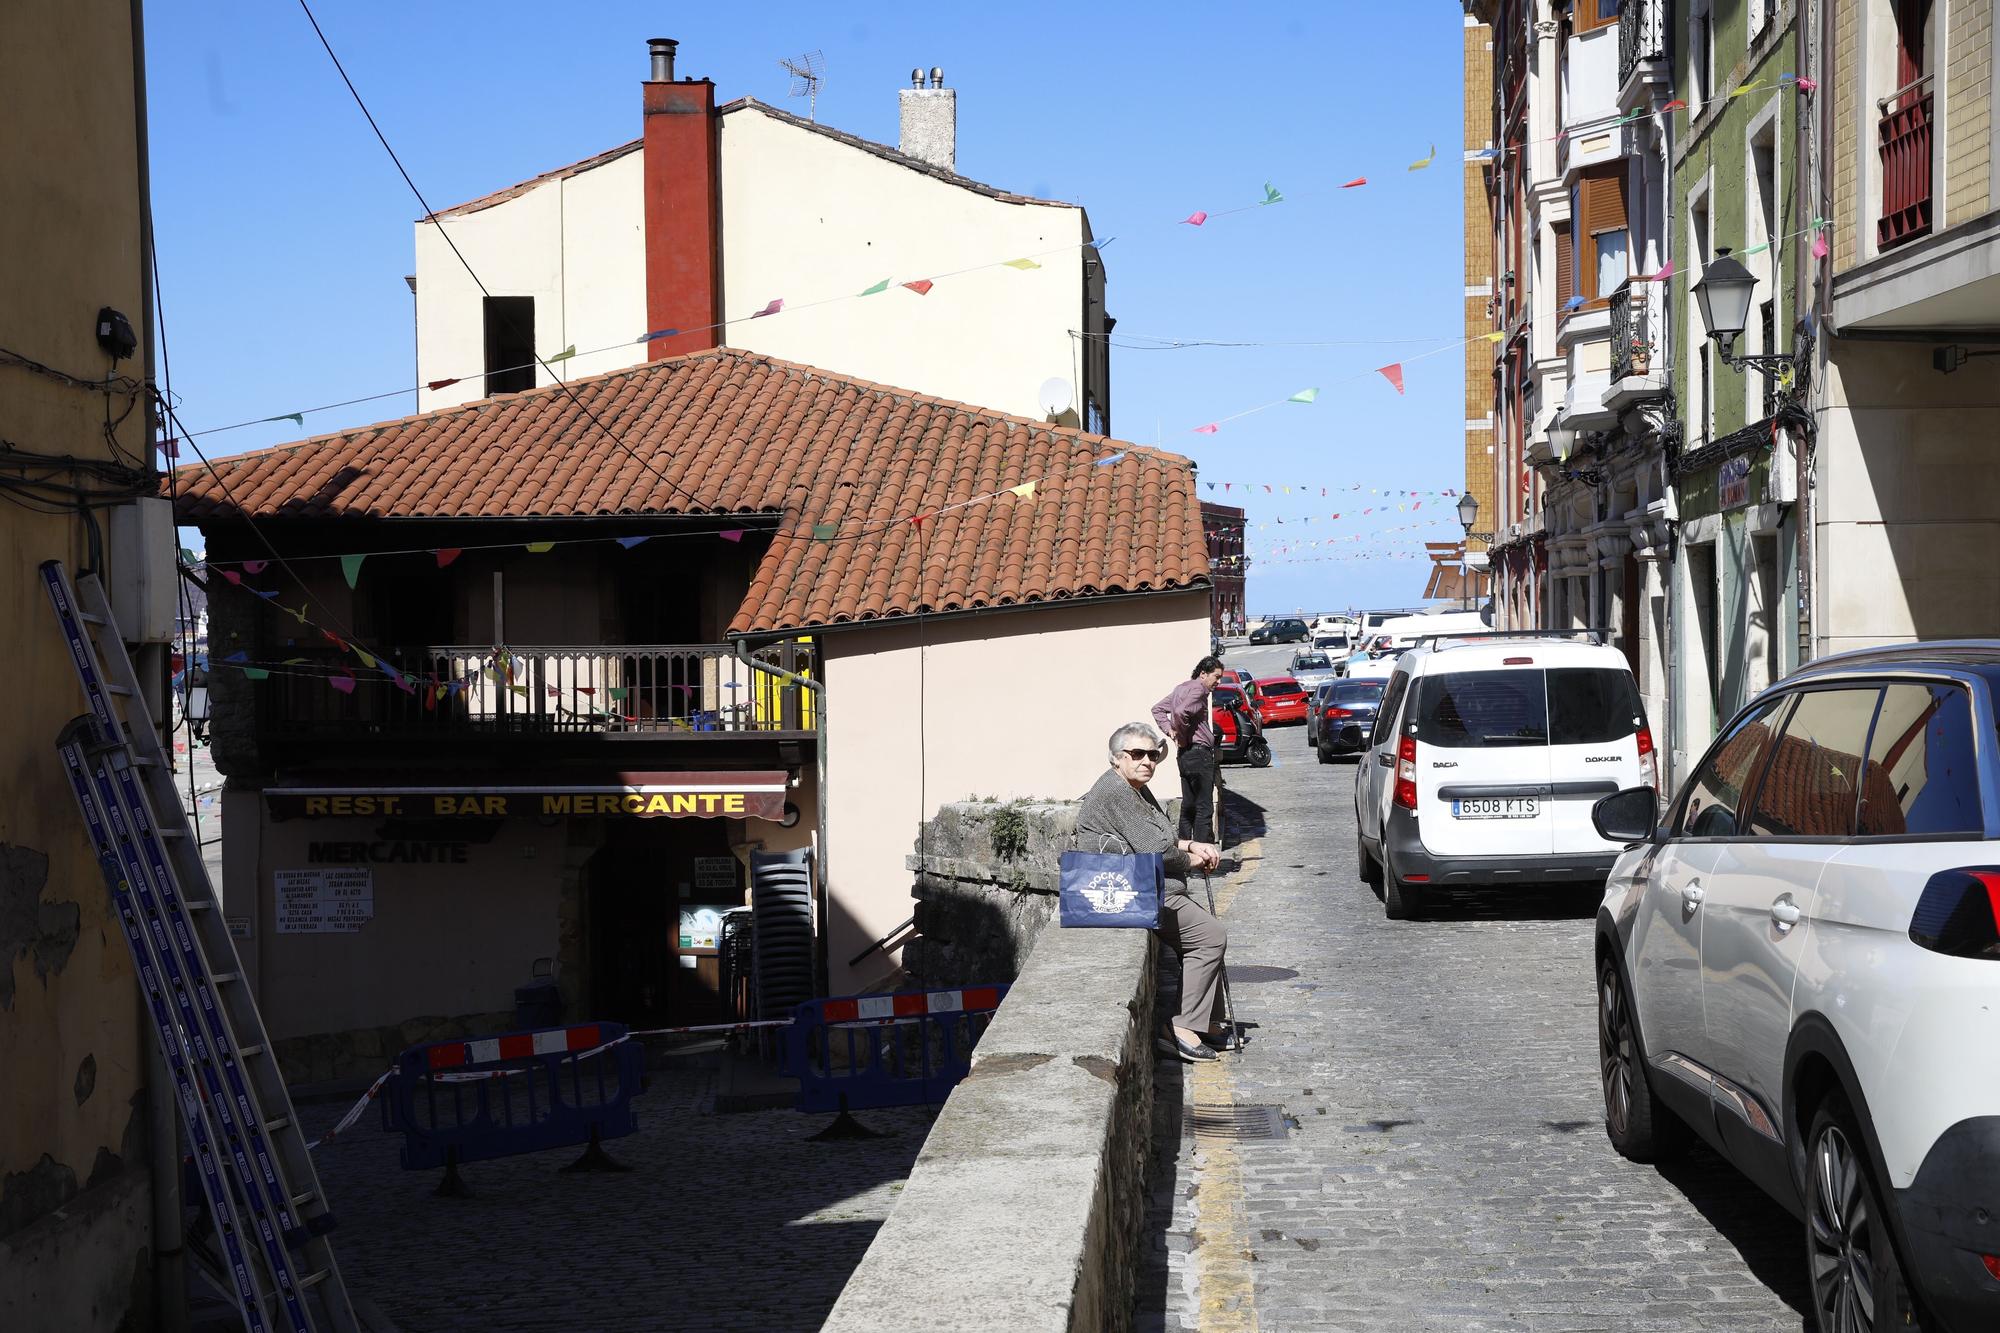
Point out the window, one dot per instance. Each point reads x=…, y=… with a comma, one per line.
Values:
x=510, y=344
x=1311, y=662
x=1809, y=790
x=1473, y=709
x=1392, y=703
x=1592, y=705
x=1282, y=689
x=1701, y=52
x=1593, y=14
x=1597, y=213
x=1362, y=692
x=1565, y=250
x=1715, y=792
x=1922, y=775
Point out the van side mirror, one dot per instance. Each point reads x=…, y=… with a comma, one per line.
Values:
x=1351, y=737
x=1631, y=816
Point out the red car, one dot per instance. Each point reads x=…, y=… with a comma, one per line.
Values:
x=1278, y=699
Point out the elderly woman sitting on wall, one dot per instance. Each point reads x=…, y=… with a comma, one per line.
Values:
x=1121, y=814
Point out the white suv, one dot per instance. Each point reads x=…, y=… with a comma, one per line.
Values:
x=1801, y=963
x=1485, y=760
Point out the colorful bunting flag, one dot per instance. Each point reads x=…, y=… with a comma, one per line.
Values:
x=1676, y=105
x=1819, y=245
x=1107, y=462
x=435, y=385
x=230, y=575
x=447, y=554
x=1666, y=271
x=540, y=548
x=1209, y=429
x=256, y=673
x=658, y=334
x=921, y=286
x=297, y=417
x=731, y=534
x=1271, y=195
x=629, y=542
x=238, y=656
x=1498, y=335
x=259, y=592
x=772, y=307
x=1023, y=264
x=1393, y=372
x=879, y=287
x=350, y=567
x=255, y=566
x=1357, y=181
x=1024, y=490
x=619, y=692
x=1419, y=166
x=1304, y=396
x=170, y=447
x=564, y=355
x=1194, y=219
x=343, y=682
x=367, y=659
x=825, y=532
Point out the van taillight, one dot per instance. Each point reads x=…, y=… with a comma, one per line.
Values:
x=1406, y=773
x=1649, y=763
x=1959, y=913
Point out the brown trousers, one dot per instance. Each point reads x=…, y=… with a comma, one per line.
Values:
x=1193, y=932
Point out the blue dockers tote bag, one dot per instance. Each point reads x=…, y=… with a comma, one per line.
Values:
x=1112, y=888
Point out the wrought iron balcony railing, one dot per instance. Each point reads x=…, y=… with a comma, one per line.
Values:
x=691, y=690
x=1632, y=343
x=1642, y=35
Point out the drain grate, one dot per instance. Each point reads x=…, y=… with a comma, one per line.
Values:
x=1237, y=1124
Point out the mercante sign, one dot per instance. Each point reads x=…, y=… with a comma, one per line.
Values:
x=749, y=795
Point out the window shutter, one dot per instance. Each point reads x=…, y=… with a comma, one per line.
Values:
x=1602, y=202
x=1565, y=266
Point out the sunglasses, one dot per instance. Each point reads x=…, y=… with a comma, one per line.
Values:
x=1136, y=755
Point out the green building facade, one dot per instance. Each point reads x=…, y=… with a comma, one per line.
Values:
x=1733, y=186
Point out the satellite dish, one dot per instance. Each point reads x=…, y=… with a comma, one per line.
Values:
x=1055, y=396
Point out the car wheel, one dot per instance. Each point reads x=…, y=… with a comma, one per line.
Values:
x=1325, y=755
x=1401, y=901
x=1857, y=1282
x=1640, y=1127
x=1370, y=868
x=1260, y=753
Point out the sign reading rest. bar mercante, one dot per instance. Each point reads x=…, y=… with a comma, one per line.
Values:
x=633, y=796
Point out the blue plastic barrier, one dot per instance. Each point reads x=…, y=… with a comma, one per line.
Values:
x=907, y=1049
x=530, y=1091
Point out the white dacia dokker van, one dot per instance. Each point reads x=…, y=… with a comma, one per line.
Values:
x=1485, y=759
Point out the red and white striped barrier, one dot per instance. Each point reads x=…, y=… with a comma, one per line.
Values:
x=913, y=1005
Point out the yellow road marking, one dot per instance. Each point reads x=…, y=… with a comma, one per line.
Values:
x=1224, y=1284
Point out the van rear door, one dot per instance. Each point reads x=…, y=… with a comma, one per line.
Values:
x=1594, y=720
x=1483, y=761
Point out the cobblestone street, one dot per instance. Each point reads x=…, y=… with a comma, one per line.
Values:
x=1444, y=1164
x=725, y=1222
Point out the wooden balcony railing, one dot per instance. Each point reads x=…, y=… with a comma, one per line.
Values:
x=692, y=690
x=1906, y=164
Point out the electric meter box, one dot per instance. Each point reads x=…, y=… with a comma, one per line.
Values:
x=140, y=577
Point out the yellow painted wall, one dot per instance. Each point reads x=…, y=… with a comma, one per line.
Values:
x=72, y=1120
x=1481, y=462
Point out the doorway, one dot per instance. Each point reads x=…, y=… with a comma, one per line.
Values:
x=655, y=892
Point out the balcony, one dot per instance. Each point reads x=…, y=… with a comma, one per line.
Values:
x=1905, y=133
x=1642, y=37
x=1638, y=347
x=697, y=692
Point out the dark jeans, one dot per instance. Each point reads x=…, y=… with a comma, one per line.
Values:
x=1197, y=765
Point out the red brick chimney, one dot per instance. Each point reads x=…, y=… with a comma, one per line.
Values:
x=683, y=188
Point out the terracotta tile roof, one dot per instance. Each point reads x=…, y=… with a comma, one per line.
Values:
x=882, y=151
x=731, y=432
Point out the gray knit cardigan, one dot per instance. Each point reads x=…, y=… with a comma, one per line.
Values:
x=1118, y=817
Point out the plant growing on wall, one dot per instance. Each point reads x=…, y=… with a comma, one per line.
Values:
x=1010, y=832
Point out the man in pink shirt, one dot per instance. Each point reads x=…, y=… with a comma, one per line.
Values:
x=1183, y=716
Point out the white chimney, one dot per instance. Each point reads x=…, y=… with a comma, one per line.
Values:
x=930, y=120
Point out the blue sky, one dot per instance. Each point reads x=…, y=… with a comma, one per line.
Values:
x=284, y=232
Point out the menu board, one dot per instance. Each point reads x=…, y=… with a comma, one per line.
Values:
x=327, y=900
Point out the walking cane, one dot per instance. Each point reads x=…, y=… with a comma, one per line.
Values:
x=1234, y=1041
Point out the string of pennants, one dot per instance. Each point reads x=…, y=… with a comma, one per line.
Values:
x=1783, y=83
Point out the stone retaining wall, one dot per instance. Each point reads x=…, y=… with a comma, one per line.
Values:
x=1025, y=1209
x=985, y=886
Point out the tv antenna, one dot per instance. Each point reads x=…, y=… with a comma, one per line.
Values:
x=808, y=73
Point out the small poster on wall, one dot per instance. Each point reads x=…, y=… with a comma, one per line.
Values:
x=701, y=927
x=324, y=901
x=715, y=872
x=1733, y=483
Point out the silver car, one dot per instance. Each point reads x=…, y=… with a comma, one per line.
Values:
x=1311, y=670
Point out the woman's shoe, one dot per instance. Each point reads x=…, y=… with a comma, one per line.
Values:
x=1171, y=1044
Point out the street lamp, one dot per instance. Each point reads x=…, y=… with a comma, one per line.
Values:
x=1468, y=514
x=1724, y=293
x=1562, y=438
